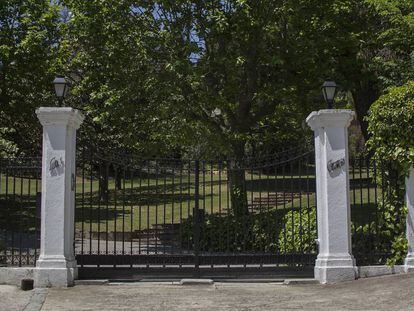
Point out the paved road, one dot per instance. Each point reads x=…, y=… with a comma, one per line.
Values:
x=383, y=293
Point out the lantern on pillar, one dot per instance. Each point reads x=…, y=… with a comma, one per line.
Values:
x=61, y=88
x=329, y=89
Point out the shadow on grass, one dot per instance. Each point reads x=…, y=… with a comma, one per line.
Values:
x=19, y=214
x=118, y=204
x=136, y=197
x=287, y=184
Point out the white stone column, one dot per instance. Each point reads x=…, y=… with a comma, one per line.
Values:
x=409, y=200
x=56, y=265
x=334, y=262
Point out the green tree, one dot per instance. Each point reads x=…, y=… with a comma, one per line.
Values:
x=29, y=37
x=197, y=78
x=391, y=120
x=391, y=124
x=378, y=51
x=259, y=62
x=117, y=56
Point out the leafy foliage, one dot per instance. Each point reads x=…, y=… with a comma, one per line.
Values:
x=257, y=232
x=149, y=74
x=300, y=231
x=391, y=127
x=29, y=41
x=270, y=232
x=384, y=239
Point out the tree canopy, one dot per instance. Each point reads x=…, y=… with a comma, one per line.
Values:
x=197, y=78
x=29, y=36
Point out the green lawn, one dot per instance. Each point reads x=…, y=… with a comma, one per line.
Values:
x=142, y=202
x=137, y=206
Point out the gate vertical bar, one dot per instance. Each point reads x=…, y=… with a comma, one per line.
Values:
x=196, y=218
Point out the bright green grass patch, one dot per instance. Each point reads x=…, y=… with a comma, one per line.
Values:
x=147, y=201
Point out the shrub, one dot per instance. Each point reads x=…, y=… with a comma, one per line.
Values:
x=269, y=232
x=301, y=231
x=230, y=233
x=391, y=126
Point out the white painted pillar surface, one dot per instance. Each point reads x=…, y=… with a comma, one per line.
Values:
x=334, y=262
x=56, y=266
x=409, y=200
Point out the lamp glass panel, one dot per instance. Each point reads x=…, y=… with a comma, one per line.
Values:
x=329, y=93
x=60, y=89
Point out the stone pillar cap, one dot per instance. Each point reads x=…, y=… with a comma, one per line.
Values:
x=330, y=118
x=60, y=116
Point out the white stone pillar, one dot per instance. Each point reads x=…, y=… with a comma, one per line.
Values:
x=334, y=262
x=409, y=200
x=56, y=265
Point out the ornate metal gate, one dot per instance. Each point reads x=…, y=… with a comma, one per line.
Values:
x=195, y=215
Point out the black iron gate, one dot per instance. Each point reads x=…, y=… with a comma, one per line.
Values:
x=179, y=215
x=195, y=215
x=377, y=210
x=20, y=192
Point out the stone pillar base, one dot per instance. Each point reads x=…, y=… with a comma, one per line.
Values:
x=55, y=277
x=55, y=272
x=409, y=263
x=330, y=269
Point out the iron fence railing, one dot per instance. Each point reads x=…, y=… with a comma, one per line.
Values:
x=184, y=212
x=377, y=201
x=20, y=191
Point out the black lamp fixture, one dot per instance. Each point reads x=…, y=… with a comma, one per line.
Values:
x=61, y=88
x=329, y=89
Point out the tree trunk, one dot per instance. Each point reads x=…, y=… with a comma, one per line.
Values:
x=118, y=182
x=364, y=97
x=117, y=177
x=238, y=191
x=103, y=187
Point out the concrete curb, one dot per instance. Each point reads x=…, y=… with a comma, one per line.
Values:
x=196, y=282
x=14, y=275
x=250, y=280
x=91, y=282
x=300, y=281
x=373, y=271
